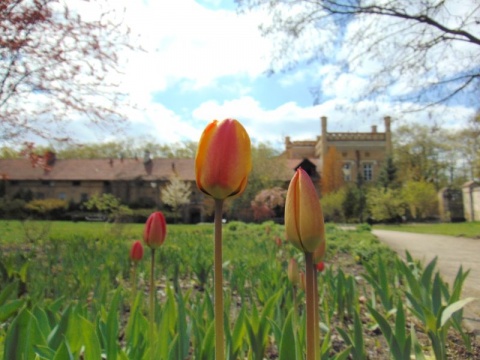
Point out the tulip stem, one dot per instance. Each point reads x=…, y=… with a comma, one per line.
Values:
x=152, y=306
x=317, y=318
x=134, y=285
x=310, y=299
x=218, y=279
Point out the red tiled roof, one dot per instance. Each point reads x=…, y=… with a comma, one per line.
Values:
x=109, y=170
x=98, y=169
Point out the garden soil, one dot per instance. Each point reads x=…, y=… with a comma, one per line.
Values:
x=451, y=253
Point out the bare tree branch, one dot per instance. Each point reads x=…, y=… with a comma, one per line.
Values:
x=424, y=51
x=58, y=59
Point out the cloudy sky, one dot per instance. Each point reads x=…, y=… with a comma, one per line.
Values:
x=203, y=61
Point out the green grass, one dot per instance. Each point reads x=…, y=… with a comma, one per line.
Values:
x=466, y=229
x=68, y=276
x=14, y=231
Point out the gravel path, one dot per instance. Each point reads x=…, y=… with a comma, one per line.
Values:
x=451, y=252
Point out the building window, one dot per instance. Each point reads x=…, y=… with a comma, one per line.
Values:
x=39, y=196
x=344, y=154
x=367, y=154
x=83, y=197
x=62, y=196
x=76, y=183
x=368, y=172
x=45, y=182
x=347, y=172
x=14, y=182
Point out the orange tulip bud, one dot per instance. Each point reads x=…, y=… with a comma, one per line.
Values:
x=136, y=252
x=292, y=272
x=155, y=230
x=223, y=159
x=304, y=225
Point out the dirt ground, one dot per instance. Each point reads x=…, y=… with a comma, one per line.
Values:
x=451, y=252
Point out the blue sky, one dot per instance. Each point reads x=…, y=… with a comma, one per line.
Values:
x=203, y=61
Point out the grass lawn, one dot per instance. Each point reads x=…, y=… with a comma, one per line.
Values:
x=465, y=229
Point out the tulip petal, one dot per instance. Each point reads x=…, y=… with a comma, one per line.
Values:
x=310, y=214
x=291, y=210
x=223, y=159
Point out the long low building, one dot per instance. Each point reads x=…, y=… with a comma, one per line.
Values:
x=139, y=181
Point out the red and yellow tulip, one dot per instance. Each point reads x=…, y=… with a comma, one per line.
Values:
x=223, y=159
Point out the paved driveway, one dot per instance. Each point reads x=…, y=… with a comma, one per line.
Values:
x=451, y=252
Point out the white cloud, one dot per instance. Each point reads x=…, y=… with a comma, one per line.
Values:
x=193, y=47
x=185, y=41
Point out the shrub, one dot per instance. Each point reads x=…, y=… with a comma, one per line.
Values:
x=12, y=209
x=47, y=207
x=332, y=206
x=421, y=198
x=385, y=204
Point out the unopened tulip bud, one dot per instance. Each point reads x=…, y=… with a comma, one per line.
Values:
x=223, y=159
x=304, y=224
x=136, y=252
x=155, y=230
x=292, y=272
x=302, y=281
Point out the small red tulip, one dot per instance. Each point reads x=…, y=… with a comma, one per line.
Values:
x=155, y=230
x=320, y=266
x=136, y=252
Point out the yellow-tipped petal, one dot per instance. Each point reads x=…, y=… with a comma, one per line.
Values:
x=223, y=159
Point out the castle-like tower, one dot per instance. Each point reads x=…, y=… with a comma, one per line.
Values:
x=362, y=153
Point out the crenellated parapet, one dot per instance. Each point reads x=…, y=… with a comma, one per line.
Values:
x=344, y=136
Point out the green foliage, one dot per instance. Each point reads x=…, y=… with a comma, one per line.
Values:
x=354, y=203
x=78, y=295
x=385, y=204
x=421, y=198
x=332, y=205
x=108, y=204
x=105, y=203
x=387, y=178
x=12, y=209
x=47, y=206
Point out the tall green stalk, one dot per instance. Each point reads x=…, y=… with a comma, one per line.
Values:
x=134, y=283
x=310, y=305
x=152, y=307
x=218, y=280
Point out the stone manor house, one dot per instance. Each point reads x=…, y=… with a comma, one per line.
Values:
x=138, y=181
